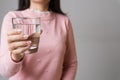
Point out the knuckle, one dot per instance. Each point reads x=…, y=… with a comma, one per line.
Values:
x=9, y=47
x=9, y=39
x=12, y=46
x=20, y=44
x=21, y=50
x=14, y=38
x=24, y=36
x=24, y=43
x=19, y=37
x=10, y=32
x=25, y=48
x=13, y=51
x=16, y=51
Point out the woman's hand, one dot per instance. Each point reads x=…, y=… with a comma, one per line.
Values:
x=18, y=44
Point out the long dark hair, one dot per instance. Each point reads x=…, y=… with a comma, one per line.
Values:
x=54, y=6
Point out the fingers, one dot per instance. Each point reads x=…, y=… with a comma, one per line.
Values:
x=14, y=32
x=20, y=50
x=16, y=45
x=20, y=37
x=15, y=35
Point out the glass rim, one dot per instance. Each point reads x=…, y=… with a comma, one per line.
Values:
x=15, y=18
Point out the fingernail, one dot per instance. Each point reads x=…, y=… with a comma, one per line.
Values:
x=25, y=36
x=29, y=42
x=18, y=30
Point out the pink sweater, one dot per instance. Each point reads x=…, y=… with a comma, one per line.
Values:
x=56, y=58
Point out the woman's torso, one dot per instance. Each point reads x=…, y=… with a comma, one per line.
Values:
x=47, y=63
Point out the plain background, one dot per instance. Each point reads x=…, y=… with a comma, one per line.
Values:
x=96, y=25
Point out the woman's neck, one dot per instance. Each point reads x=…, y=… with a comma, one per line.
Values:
x=39, y=7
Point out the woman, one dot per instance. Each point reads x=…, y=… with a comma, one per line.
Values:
x=56, y=58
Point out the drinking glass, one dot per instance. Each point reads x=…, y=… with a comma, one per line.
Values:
x=30, y=27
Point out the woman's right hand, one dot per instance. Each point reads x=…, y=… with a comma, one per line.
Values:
x=18, y=44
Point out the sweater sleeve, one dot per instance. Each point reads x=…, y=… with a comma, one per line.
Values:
x=70, y=60
x=8, y=68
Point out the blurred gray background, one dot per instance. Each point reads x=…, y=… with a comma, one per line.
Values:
x=96, y=25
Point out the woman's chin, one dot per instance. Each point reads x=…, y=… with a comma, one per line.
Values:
x=40, y=1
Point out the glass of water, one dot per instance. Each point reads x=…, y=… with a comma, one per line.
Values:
x=30, y=27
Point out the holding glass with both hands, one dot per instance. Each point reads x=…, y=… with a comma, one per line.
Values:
x=24, y=38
